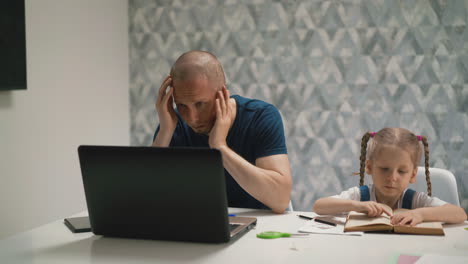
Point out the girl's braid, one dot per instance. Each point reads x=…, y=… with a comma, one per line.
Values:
x=364, y=141
x=426, y=164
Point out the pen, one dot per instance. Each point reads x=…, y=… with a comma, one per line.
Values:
x=317, y=220
x=305, y=217
x=324, y=222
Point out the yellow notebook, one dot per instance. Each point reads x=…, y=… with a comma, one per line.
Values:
x=361, y=222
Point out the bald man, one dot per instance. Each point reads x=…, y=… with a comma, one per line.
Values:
x=249, y=133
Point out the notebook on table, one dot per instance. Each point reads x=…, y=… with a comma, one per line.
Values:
x=158, y=193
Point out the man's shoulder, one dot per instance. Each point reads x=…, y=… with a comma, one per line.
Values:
x=252, y=104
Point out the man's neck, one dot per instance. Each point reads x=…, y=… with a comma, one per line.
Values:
x=233, y=106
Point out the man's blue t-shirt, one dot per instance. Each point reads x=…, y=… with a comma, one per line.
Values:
x=256, y=132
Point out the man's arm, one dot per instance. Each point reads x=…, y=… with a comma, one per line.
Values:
x=268, y=181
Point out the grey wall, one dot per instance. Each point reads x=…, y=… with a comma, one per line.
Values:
x=77, y=61
x=335, y=69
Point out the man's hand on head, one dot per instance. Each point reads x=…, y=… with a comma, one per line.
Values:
x=166, y=113
x=224, y=120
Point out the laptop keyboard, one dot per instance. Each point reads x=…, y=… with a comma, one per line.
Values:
x=232, y=227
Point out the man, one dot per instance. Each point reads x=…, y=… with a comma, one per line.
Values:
x=248, y=133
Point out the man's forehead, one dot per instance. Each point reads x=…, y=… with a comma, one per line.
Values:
x=192, y=97
x=193, y=93
x=198, y=84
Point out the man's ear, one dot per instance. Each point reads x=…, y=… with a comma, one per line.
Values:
x=369, y=167
x=413, y=175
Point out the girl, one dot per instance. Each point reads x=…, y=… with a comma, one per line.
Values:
x=392, y=160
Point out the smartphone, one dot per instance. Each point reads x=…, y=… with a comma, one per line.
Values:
x=78, y=224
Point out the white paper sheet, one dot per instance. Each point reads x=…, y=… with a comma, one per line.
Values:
x=318, y=228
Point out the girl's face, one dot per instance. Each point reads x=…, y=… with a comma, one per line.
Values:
x=392, y=171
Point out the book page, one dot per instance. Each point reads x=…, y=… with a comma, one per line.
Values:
x=429, y=225
x=361, y=219
x=424, y=228
x=423, y=224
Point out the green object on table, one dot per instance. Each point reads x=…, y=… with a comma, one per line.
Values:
x=272, y=234
x=466, y=228
x=275, y=234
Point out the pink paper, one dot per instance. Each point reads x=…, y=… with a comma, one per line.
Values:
x=407, y=259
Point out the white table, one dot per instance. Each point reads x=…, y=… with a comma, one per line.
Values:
x=54, y=243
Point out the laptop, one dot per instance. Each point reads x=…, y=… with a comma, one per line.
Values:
x=158, y=193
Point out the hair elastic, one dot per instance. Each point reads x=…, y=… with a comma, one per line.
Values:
x=372, y=134
x=419, y=137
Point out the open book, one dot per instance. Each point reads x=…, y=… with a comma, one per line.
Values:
x=361, y=222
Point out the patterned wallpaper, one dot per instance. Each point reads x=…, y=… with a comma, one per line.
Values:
x=335, y=69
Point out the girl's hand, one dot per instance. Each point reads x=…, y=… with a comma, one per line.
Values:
x=410, y=217
x=372, y=209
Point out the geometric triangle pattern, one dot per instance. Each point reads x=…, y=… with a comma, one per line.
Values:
x=334, y=69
